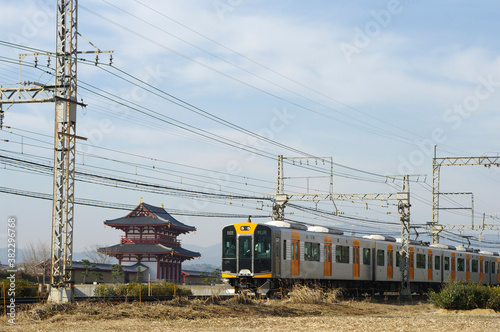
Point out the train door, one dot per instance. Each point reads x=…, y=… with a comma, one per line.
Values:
x=412, y=263
x=487, y=273
x=429, y=265
x=442, y=266
x=467, y=267
x=328, y=259
x=498, y=270
x=390, y=261
x=355, y=260
x=481, y=268
x=245, y=253
x=277, y=256
x=295, y=257
x=453, y=266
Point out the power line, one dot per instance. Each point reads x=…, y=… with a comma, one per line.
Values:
x=208, y=115
x=122, y=182
x=126, y=207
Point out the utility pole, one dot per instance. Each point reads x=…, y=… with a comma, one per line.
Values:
x=404, y=217
x=279, y=205
x=64, y=94
x=436, y=169
x=403, y=199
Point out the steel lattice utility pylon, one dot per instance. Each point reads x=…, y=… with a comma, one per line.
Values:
x=63, y=93
x=64, y=142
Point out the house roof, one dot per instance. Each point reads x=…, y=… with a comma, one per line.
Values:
x=153, y=216
x=193, y=273
x=108, y=267
x=130, y=248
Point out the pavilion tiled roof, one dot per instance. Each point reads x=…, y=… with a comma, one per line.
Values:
x=130, y=248
x=156, y=216
x=109, y=267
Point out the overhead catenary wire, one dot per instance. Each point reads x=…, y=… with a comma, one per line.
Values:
x=192, y=129
x=390, y=135
x=128, y=207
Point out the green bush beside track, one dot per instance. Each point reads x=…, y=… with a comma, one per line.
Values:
x=459, y=295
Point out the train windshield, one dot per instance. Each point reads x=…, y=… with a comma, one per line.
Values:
x=262, y=243
x=262, y=253
x=229, y=249
x=245, y=247
x=229, y=242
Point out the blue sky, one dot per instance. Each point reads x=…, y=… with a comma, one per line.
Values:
x=375, y=84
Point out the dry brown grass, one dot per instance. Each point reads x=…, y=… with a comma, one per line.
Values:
x=315, y=295
x=305, y=312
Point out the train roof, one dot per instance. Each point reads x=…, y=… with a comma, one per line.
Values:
x=323, y=229
x=312, y=228
x=286, y=224
x=379, y=237
x=442, y=246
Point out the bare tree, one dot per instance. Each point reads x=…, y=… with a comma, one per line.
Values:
x=97, y=257
x=36, y=259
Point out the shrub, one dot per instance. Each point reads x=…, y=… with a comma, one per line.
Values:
x=132, y=289
x=105, y=290
x=494, y=300
x=458, y=295
x=23, y=288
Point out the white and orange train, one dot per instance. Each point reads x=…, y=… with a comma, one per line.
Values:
x=279, y=254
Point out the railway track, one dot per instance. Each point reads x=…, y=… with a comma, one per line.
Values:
x=394, y=296
x=26, y=300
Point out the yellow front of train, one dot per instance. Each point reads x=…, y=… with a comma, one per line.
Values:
x=246, y=254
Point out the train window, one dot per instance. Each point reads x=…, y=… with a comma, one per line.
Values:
x=245, y=247
x=447, y=263
x=263, y=243
x=493, y=267
x=311, y=251
x=475, y=265
x=342, y=254
x=295, y=250
x=420, y=261
x=398, y=258
x=328, y=252
x=284, y=249
x=315, y=251
x=229, y=243
x=460, y=265
x=390, y=258
x=437, y=263
x=486, y=267
x=366, y=256
x=380, y=258
x=307, y=251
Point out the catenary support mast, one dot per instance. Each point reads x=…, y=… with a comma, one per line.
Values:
x=437, y=163
x=64, y=143
x=64, y=94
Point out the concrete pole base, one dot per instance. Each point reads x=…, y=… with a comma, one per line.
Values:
x=61, y=295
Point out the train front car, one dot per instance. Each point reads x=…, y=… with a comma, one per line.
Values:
x=246, y=256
